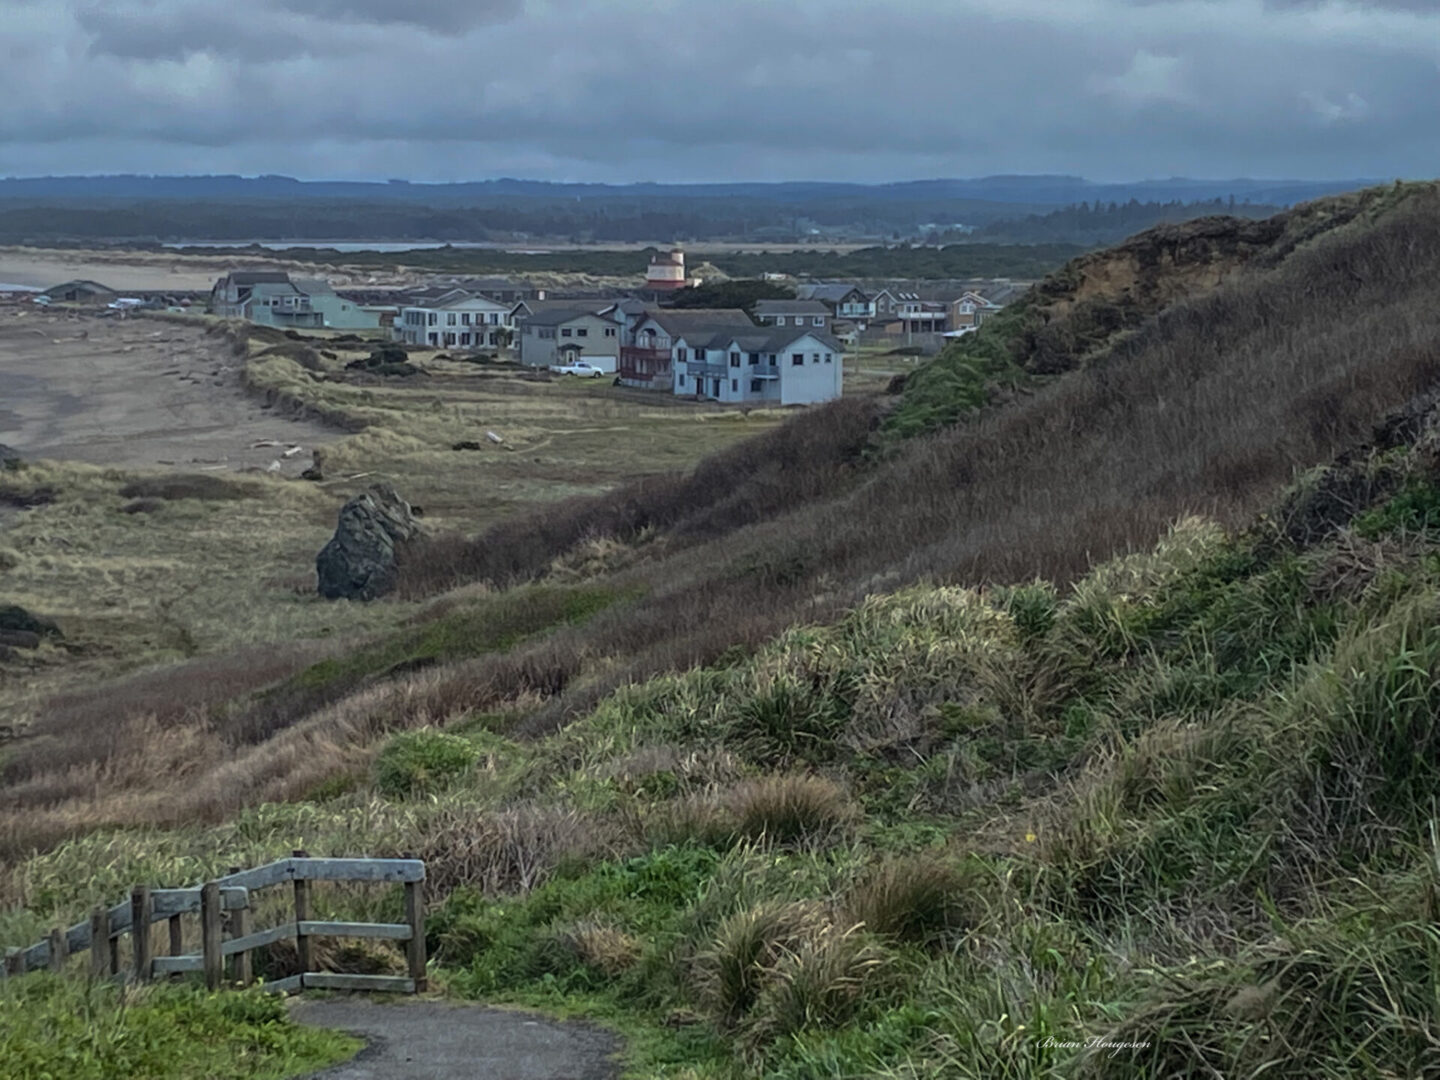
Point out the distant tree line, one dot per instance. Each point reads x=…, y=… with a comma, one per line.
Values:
x=1099, y=224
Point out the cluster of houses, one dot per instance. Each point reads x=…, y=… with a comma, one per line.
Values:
x=788, y=352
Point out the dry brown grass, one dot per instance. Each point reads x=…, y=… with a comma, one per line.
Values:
x=515, y=849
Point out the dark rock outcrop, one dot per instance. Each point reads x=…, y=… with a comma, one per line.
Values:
x=359, y=561
x=9, y=457
x=15, y=619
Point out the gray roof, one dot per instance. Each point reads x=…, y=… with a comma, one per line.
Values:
x=557, y=316
x=830, y=292
x=258, y=277
x=680, y=321
x=790, y=307
x=762, y=339
x=311, y=286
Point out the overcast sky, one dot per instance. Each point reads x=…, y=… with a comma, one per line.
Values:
x=620, y=90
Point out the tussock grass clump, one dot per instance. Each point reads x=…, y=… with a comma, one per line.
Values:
x=600, y=945
x=791, y=809
x=423, y=762
x=819, y=984
x=746, y=946
x=910, y=898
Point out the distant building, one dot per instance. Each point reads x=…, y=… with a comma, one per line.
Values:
x=845, y=301
x=811, y=314
x=276, y=299
x=456, y=319
x=566, y=335
x=80, y=292
x=666, y=271
x=795, y=366
x=647, y=349
x=971, y=310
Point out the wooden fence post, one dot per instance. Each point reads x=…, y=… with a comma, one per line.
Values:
x=214, y=960
x=59, y=949
x=15, y=962
x=239, y=927
x=140, y=931
x=415, y=947
x=100, y=942
x=177, y=936
x=302, y=914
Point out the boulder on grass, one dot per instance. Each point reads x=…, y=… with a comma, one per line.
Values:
x=359, y=562
x=14, y=618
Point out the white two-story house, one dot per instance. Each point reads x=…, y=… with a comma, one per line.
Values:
x=763, y=365
x=456, y=320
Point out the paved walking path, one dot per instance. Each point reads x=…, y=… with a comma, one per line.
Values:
x=433, y=1040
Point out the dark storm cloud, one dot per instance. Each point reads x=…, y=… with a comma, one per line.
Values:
x=650, y=89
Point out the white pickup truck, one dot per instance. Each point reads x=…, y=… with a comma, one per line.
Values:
x=583, y=368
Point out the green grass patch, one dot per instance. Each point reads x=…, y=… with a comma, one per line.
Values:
x=491, y=624
x=53, y=1027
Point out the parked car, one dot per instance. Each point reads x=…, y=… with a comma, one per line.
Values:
x=126, y=303
x=583, y=368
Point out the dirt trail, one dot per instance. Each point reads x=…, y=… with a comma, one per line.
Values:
x=433, y=1040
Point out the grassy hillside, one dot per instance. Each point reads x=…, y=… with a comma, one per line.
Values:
x=910, y=738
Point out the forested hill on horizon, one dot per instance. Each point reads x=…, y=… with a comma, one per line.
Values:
x=164, y=209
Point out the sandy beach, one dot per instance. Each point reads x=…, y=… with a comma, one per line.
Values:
x=134, y=391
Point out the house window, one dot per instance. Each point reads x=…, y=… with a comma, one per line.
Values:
x=465, y=319
x=756, y=386
x=734, y=359
x=754, y=359
x=818, y=320
x=582, y=332
x=734, y=386
x=699, y=356
x=780, y=320
x=610, y=331
x=494, y=318
x=565, y=332
x=797, y=359
x=681, y=355
x=432, y=319
x=815, y=358
x=464, y=339
x=682, y=378
x=828, y=359
x=450, y=319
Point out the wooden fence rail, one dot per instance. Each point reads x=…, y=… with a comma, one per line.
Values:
x=231, y=894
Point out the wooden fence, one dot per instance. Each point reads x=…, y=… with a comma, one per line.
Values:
x=232, y=894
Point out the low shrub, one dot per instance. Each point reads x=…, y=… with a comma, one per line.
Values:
x=423, y=762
